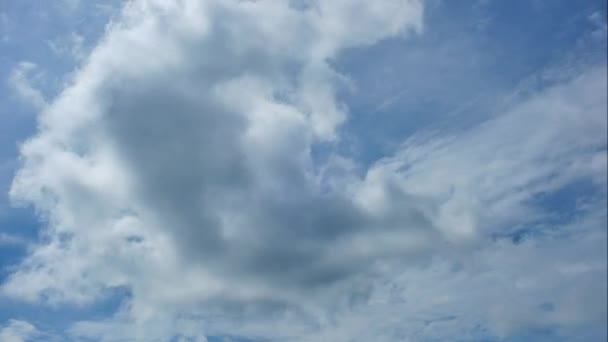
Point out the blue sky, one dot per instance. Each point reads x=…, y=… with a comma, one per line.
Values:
x=303, y=170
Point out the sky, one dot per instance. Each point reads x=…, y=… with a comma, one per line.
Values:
x=303, y=170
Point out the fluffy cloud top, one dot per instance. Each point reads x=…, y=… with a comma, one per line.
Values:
x=18, y=331
x=178, y=165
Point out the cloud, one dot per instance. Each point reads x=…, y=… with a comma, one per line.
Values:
x=71, y=46
x=177, y=165
x=8, y=239
x=490, y=171
x=21, y=82
x=17, y=331
x=6, y=25
x=22, y=331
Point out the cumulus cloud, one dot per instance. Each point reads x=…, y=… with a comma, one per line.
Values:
x=17, y=331
x=178, y=165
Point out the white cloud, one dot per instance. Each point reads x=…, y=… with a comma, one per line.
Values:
x=17, y=331
x=489, y=172
x=21, y=80
x=178, y=165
